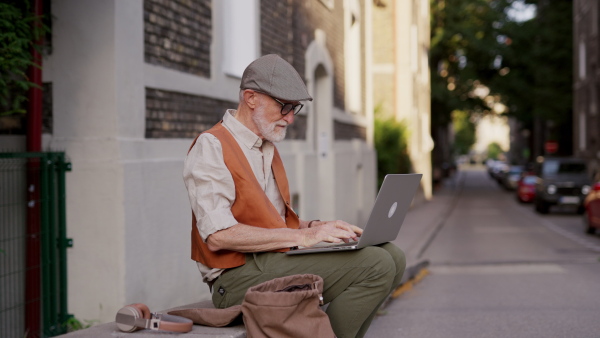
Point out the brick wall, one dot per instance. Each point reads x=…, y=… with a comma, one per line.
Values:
x=177, y=115
x=178, y=34
x=287, y=28
x=384, y=57
x=345, y=131
x=277, y=30
x=313, y=14
x=586, y=89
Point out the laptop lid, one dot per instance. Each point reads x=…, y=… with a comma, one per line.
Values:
x=390, y=209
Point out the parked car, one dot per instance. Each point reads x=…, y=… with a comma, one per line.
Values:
x=561, y=181
x=511, y=177
x=526, y=188
x=591, y=217
x=496, y=169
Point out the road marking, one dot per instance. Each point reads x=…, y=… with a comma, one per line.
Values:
x=409, y=284
x=497, y=269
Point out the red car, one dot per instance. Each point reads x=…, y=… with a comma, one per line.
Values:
x=591, y=217
x=526, y=189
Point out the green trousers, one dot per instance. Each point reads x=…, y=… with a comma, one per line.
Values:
x=355, y=282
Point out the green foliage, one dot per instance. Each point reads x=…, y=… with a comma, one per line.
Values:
x=494, y=150
x=464, y=132
x=391, y=144
x=539, y=58
x=464, y=48
x=527, y=64
x=17, y=36
x=74, y=324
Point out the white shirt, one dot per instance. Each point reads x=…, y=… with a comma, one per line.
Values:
x=210, y=186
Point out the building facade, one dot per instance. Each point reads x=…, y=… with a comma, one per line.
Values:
x=401, y=79
x=586, y=83
x=129, y=84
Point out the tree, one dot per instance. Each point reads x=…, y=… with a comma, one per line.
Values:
x=494, y=150
x=464, y=129
x=480, y=58
x=465, y=51
x=539, y=64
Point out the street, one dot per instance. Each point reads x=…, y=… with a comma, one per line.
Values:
x=496, y=268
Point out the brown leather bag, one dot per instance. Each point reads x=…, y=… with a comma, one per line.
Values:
x=282, y=307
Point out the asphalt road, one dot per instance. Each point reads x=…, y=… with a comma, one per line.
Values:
x=498, y=269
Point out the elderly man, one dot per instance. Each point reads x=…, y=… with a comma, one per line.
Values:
x=242, y=218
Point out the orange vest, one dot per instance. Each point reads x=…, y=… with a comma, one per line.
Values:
x=251, y=205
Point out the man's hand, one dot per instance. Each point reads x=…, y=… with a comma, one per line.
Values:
x=331, y=231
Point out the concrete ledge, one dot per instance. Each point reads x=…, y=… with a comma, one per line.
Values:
x=111, y=330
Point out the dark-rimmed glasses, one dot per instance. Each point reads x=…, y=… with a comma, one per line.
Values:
x=286, y=108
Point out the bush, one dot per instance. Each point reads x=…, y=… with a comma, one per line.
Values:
x=391, y=145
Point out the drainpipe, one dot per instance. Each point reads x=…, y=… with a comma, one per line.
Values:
x=33, y=301
x=34, y=116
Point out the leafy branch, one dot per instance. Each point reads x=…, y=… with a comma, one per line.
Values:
x=19, y=31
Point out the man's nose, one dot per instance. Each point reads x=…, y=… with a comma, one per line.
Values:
x=289, y=118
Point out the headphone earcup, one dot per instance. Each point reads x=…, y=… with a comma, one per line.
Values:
x=143, y=309
x=126, y=316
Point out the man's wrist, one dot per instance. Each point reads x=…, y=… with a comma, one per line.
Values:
x=310, y=224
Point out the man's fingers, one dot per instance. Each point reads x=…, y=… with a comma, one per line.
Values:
x=352, y=229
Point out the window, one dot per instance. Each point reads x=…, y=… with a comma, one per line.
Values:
x=582, y=131
x=582, y=59
x=556, y=167
x=353, y=59
x=241, y=32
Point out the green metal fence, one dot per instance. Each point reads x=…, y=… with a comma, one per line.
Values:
x=33, y=244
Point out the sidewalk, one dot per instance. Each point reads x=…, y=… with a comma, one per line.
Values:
x=422, y=222
x=420, y=226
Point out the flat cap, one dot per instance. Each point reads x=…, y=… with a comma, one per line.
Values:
x=274, y=76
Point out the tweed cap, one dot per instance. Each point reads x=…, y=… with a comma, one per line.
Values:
x=274, y=76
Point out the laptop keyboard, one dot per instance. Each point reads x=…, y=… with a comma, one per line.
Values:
x=330, y=245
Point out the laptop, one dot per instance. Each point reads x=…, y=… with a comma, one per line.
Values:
x=388, y=213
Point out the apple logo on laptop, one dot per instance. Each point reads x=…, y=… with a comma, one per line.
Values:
x=392, y=210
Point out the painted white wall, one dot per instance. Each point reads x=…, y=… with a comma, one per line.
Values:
x=82, y=69
x=127, y=207
x=354, y=182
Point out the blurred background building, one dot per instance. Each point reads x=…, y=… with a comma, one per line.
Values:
x=401, y=81
x=586, y=82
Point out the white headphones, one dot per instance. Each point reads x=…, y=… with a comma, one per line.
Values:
x=134, y=317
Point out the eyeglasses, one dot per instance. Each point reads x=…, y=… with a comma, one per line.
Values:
x=286, y=108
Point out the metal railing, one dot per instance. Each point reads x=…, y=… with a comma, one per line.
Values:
x=33, y=244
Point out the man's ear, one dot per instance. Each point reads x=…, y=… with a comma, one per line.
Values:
x=250, y=98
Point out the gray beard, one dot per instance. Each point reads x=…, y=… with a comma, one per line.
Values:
x=268, y=130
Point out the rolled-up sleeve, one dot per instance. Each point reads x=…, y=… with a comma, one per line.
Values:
x=210, y=187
